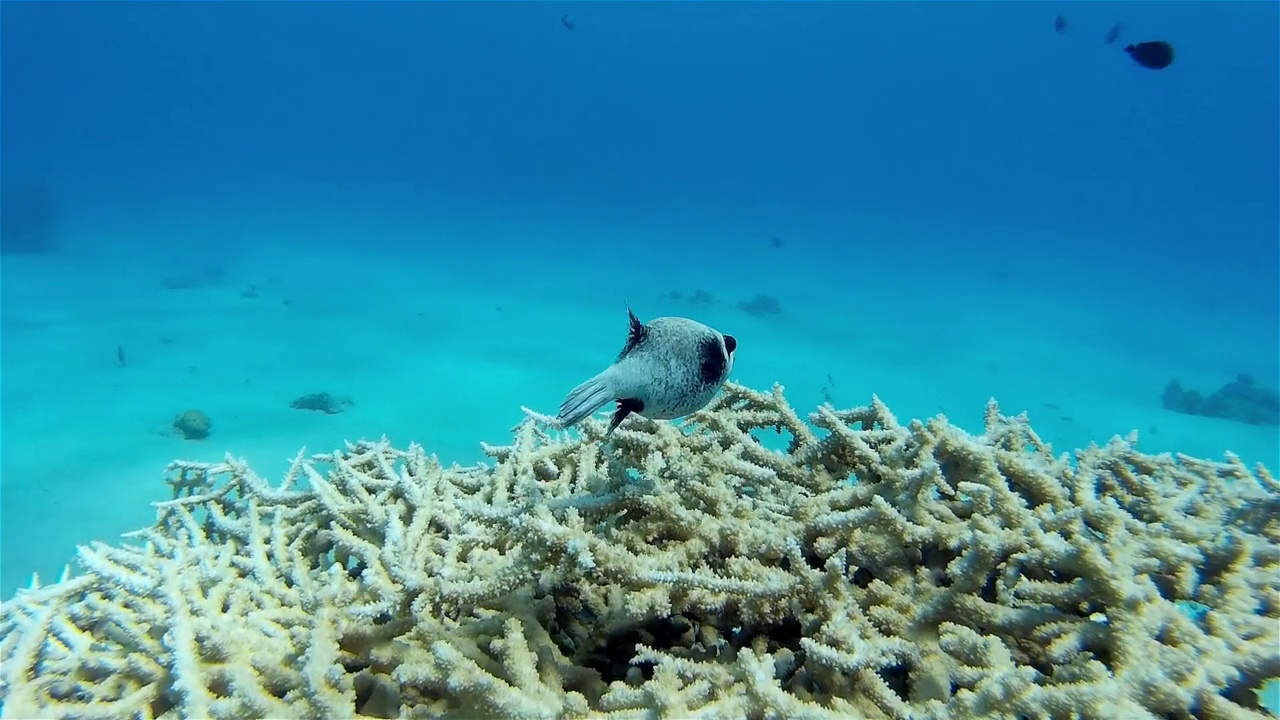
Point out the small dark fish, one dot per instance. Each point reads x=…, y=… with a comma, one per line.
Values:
x=1060, y=24
x=1112, y=34
x=566, y=22
x=1156, y=55
x=120, y=359
x=776, y=243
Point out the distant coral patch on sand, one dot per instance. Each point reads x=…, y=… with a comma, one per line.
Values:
x=1241, y=400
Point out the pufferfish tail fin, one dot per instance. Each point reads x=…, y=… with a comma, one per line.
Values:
x=586, y=399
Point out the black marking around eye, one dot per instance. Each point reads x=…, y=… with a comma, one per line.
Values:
x=713, y=360
x=636, y=335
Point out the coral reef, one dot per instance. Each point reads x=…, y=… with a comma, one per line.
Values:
x=1241, y=400
x=870, y=570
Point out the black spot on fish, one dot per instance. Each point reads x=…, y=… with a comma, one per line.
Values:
x=1156, y=55
x=636, y=335
x=1112, y=34
x=713, y=360
x=730, y=344
x=626, y=406
x=1060, y=24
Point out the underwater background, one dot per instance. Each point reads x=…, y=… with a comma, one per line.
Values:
x=436, y=213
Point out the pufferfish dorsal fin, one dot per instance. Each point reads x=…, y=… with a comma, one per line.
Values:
x=635, y=335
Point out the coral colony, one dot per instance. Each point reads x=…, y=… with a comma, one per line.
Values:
x=870, y=570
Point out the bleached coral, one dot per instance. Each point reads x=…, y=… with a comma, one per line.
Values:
x=871, y=570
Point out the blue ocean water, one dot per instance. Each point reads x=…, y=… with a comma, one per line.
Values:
x=439, y=210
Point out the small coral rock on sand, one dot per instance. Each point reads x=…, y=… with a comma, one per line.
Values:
x=192, y=424
x=324, y=402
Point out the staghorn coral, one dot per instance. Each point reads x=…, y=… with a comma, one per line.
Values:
x=871, y=570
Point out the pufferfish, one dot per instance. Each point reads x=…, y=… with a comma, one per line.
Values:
x=669, y=368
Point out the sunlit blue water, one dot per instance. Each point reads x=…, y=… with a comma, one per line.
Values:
x=440, y=209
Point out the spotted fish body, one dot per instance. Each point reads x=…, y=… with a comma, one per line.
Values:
x=669, y=368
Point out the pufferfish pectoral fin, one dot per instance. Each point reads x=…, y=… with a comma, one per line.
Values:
x=626, y=406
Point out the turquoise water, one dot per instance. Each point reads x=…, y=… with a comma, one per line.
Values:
x=440, y=210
